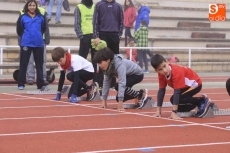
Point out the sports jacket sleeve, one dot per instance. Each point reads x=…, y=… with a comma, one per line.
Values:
x=77, y=23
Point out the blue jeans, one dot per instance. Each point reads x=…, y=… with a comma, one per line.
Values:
x=58, y=11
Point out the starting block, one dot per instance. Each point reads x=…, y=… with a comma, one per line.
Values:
x=149, y=103
x=212, y=111
x=65, y=90
x=46, y=91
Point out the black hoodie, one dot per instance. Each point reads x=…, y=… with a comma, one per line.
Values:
x=108, y=17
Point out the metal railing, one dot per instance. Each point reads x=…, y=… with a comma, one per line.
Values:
x=182, y=49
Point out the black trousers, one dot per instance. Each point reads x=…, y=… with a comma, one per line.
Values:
x=25, y=53
x=84, y=76
x=131, y=80
x=85, y=46
x=112, y=40
x=127, y=34
x=142, y=58
x=187, y=102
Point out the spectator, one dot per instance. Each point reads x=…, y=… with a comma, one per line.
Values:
x=30, y=68
x=141, y=36
x=129, y=18
x=134, y=51
x=143, y=14
x=84, y=29
x=108, y=26
x=32, y=41
x=58, y=11
x=108, y=23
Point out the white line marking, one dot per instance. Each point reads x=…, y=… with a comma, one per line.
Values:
x=219, y=123
x=16, y=99
x=160, y=147
x=129, y=113
x=36, y=106
x=100, y=129
x=48, y=117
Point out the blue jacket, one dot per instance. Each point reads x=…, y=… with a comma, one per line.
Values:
x=143, y=14
x=31, y=30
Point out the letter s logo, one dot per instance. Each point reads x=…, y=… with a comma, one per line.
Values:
x=213, y=8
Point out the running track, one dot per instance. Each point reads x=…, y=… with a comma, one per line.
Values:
x=35, y=123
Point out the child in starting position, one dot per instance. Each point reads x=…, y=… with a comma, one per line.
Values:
x=127, y=73
x=185, y=82
x=78, y=71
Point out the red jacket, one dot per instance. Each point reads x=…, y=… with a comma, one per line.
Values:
x=129, y=17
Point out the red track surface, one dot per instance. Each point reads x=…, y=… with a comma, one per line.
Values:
x=36, y=124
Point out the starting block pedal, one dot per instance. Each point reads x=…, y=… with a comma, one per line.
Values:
x=65, y=90
x=209, y=113
x=215, y=107
x=212, y=111
x=148, y=104
x=97, y=97
x=45, y=88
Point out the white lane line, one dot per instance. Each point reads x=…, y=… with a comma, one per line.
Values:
x=219, y=123
x=22, y=107
x=16, y=99
x=182, y=121
x=159, y=147
x=48, y=117
x=99, y=129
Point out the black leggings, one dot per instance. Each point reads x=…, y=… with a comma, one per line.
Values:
x=84, y=77
x=127, y=34
x=131, y=80
x=187, y=102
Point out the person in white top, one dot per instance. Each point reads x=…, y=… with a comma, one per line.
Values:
x=77, y=70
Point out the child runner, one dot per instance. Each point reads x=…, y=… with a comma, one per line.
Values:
x=127, y=73
x=185, y=82
x=78, y=71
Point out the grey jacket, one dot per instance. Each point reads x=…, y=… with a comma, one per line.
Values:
x=121, y=68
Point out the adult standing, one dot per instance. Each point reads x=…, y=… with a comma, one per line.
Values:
x=83, y=27
x=46, y=38
x=58, y=10
x=108, y=23
x=30, y=27
x=129, y=18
